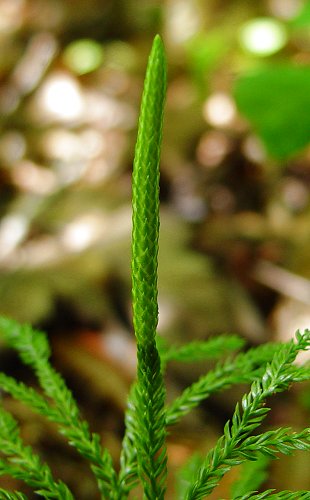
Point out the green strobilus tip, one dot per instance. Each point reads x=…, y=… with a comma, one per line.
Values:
x=145, y=196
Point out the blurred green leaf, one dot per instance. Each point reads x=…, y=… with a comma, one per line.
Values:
x=303, y=17
x=83, y=56
x=204, y=51
x=185, y=474
x=275, y=101
x=252, y=475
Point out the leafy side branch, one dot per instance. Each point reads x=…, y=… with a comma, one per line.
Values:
x=235, y=446
x=58, y=405
x=21, y=462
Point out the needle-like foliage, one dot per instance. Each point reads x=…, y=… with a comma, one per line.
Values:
x=59, y=405
x=235, y=446
x=269, y=368
x=213, y=348
x=128, y=475
x=20, y=462
x=281, y=495
x=244, y=368
x=15, y=495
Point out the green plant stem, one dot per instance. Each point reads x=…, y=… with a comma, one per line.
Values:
x=150, y=391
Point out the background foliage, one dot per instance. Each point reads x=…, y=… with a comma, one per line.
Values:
x=234, y=188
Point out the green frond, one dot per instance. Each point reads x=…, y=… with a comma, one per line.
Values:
x=19, y=461
x=302, y=374
x=213, y=348
x=14, y=495
x=27, y=395
x=270, y=443
x=281, y=495
x=31, y=344
x=244, y=368
x=62, y=409
x=128, y=475
x=231, y=449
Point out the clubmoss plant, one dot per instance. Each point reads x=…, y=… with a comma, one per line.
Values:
x=270, y=369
